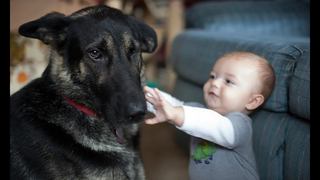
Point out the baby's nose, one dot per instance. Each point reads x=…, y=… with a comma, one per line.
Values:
x=216, y=83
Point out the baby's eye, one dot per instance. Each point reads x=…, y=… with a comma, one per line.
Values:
x=229, y=82
x=212, y=77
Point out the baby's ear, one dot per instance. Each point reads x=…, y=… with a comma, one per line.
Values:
x=255, y=101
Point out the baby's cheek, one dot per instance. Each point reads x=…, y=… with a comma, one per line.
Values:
x=206, y=87
x=230, y=98
x=237, y=99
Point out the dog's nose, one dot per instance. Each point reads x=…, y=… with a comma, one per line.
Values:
x=136, y=112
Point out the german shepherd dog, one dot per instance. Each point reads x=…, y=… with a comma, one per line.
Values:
x=80, y=119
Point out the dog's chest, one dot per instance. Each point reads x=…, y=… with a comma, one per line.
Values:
x=107, y=174
x=83, y=170
x=127, y=171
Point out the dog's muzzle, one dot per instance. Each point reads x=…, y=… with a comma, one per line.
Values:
x=135, y=112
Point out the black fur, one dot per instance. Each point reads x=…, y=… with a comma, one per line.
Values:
x=49, y=137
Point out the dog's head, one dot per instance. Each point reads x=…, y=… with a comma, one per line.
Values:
x=96, y=59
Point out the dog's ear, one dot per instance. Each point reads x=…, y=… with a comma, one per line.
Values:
x=50, y=29
x=148, y=37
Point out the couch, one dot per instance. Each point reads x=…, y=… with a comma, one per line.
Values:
x=276, y=30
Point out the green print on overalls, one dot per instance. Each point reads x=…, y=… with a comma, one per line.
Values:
x=204, y=150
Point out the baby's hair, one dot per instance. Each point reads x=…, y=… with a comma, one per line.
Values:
x=265, y=71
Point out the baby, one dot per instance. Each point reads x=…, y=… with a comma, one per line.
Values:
x=221, y=132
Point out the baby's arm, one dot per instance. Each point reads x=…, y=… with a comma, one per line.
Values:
x=198, y=122
x=208, y=124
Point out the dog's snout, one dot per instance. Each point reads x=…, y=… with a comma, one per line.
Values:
x=136, y=112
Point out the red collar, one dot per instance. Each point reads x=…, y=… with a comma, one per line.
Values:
x=80, y=107
x=118, y=133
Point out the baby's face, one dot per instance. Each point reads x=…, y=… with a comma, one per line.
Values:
x=231, y=85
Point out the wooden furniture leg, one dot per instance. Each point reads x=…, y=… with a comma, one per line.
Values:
x=175, y=24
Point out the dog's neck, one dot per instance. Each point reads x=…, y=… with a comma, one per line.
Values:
x=80, y=107
x=118, y=133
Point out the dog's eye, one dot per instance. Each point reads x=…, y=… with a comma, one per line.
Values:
x=94, y=54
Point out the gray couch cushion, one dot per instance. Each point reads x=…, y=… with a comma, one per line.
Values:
x=183, y=88
x=194, y=53
x=283, y=140
x=299, y=91
x=268, y=142
x=265, y=17
x=297, y=150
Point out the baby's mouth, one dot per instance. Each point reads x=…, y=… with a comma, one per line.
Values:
x=213, y=94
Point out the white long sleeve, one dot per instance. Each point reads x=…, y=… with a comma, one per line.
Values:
x=208, y=124
x=203, y=123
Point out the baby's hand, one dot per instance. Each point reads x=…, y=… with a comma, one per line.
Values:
x=164, y=110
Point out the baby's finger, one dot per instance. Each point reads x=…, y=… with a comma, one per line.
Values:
x=150, y=99
x=151, y=121
x=149, y=90
x=158, y=93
